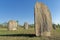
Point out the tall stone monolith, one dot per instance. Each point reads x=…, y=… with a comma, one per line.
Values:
x=43, y=20
x=12, y=25
x=26, y=25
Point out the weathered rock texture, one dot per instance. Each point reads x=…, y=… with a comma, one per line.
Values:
x=12, y=25
x=26, y=25
x=43, y=20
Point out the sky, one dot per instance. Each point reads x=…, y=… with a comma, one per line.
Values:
x=23, y=10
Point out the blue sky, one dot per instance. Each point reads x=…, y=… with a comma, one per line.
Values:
x=23, y=10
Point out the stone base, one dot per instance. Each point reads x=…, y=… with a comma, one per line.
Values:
x=47, y=34
x=12, y=29
x=39, y=34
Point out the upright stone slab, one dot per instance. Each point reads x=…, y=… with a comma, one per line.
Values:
x=26, y=25
x=47, y=20
x=38, y=20
x=43, y=21
x=12, y=25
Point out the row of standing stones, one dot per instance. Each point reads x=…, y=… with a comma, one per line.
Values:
x=42, y=21
x=13, y=25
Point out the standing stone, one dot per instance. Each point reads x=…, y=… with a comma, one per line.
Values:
x=43, y=20
x=12, y=25
x=38, y=20
x=26, y=25
x=47, y=20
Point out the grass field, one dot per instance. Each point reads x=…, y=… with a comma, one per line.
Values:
x=23, y=34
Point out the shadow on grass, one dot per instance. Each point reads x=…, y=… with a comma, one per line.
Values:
x=31, y=35
x=23, y=35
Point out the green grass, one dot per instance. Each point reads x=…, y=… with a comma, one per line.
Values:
x=23, y=34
